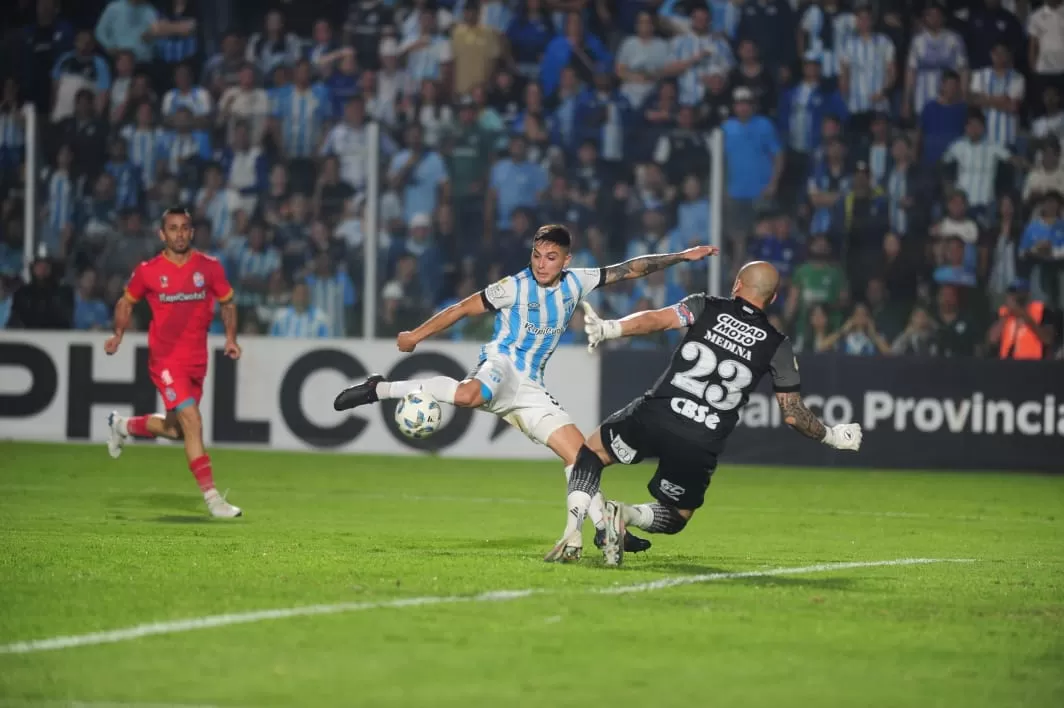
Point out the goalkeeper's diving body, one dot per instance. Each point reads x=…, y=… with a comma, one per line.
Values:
x=532, y=310
x=684, y=420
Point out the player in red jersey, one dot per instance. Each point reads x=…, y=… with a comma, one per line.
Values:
x=181, y=286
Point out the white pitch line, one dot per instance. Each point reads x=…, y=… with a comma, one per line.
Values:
x=188, y=625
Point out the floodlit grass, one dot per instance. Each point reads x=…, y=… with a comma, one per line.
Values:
x=91, y=544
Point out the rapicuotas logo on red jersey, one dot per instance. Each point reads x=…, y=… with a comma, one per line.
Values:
x=183, y=297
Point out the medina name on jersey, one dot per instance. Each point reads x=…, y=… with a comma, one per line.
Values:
x=729, y=346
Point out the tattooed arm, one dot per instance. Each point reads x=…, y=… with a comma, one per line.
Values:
x=796, y=415
x=645, y=265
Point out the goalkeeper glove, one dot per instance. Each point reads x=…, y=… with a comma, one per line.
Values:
x=597, y=329
x=845, y=436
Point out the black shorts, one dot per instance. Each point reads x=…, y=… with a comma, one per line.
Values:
x=641, y=430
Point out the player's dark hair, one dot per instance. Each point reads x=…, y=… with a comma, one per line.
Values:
x=174, y=211
x=554, y=233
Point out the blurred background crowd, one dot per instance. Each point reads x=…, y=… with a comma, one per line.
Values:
x=898, y=161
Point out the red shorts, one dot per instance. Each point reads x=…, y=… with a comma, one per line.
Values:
x=180, y=386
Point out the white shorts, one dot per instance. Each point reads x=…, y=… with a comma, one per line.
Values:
x=518, y=400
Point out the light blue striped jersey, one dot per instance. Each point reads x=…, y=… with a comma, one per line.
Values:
x=530, y=319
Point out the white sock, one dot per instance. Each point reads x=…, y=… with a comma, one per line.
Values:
x=641, y=515
x=120, y=423
x=577, y=503
x=597, y=511
x=442, y=388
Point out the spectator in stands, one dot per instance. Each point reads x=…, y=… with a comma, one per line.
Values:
x=42, y=303
x=427, y=56
x=602, y=115
x=1023, y=329
x=955, y=269
x=175, y=37
x=244, y=102
x=956, y=224
x=514, y=182
x=752, y=73
x=903, y=185
x=12, y=130
x=1051, y=123
x=367, y=22
x=814, y=336
x=749, y=140
x=62, y=187
x=143, y=140
x=89, y=311
x=697, y=53
x=420, y=175
x=867, y=68
x=888, y=315
x=956, y=335
x=78, y=69
x=918, y=337
x=770, y=25
x=999, y=91
x=817, y=281
x=183, y=149
x=577, y=48
x=404, y=304
x=1047, y=176
x=829, y=181
x=1045, y=32
x=1042, y=246
x=185, y=93
x=43, y=42
x=934, y=51
x=332, y=293
x=989, y=26
x=274, y=46
x=861, y=222
x=1003, y=245
x=943, y=120
x=128, y=24
x=476, y=49
x=301, y=319
x=85, y=132
x=222, y=71
x=858, y=335
x=826, y=28
x=116, y=110
x=641, y=61
x=978, y=163
x=801, y=114
x=253, y=264
x=529, y=33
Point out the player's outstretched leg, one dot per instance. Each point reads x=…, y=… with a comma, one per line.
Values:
x=654, y=517
x=139, y=426
x=464, y=394
x=199, y=463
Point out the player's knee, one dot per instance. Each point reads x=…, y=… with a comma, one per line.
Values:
x=469, y=395
x=189, y=421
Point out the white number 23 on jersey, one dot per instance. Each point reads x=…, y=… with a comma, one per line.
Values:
x=735, y=377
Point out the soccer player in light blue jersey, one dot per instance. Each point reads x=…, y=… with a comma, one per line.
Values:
x=532, y=310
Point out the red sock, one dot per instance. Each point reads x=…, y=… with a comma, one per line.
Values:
x=137, y=426
x=201, y=470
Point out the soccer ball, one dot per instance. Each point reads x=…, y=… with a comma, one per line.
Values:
x=418, y=415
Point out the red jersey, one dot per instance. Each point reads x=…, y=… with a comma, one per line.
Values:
x=182, y=305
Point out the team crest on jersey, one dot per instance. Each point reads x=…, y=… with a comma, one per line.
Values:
x=164, y=282
x=197, y=279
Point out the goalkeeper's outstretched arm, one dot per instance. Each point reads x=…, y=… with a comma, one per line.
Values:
x=799, y=417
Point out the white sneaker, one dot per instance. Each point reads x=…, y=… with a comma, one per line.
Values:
x=116, y=439
x=219, y=507
x=613, y=546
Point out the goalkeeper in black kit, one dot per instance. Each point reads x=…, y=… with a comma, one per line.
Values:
x=684, y=420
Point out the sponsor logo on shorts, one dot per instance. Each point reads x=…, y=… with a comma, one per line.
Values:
x=671, y=489
x=171, y=394
x=691, y=410
x=624, y=452
x=197, y=279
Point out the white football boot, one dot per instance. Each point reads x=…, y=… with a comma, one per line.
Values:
x=567, y=550
x=613, y=546
x=116, y=440
x=219, y=507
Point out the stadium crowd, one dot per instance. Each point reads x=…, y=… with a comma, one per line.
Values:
x=899, y=162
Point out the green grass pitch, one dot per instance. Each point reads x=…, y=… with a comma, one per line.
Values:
x=91, y=544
